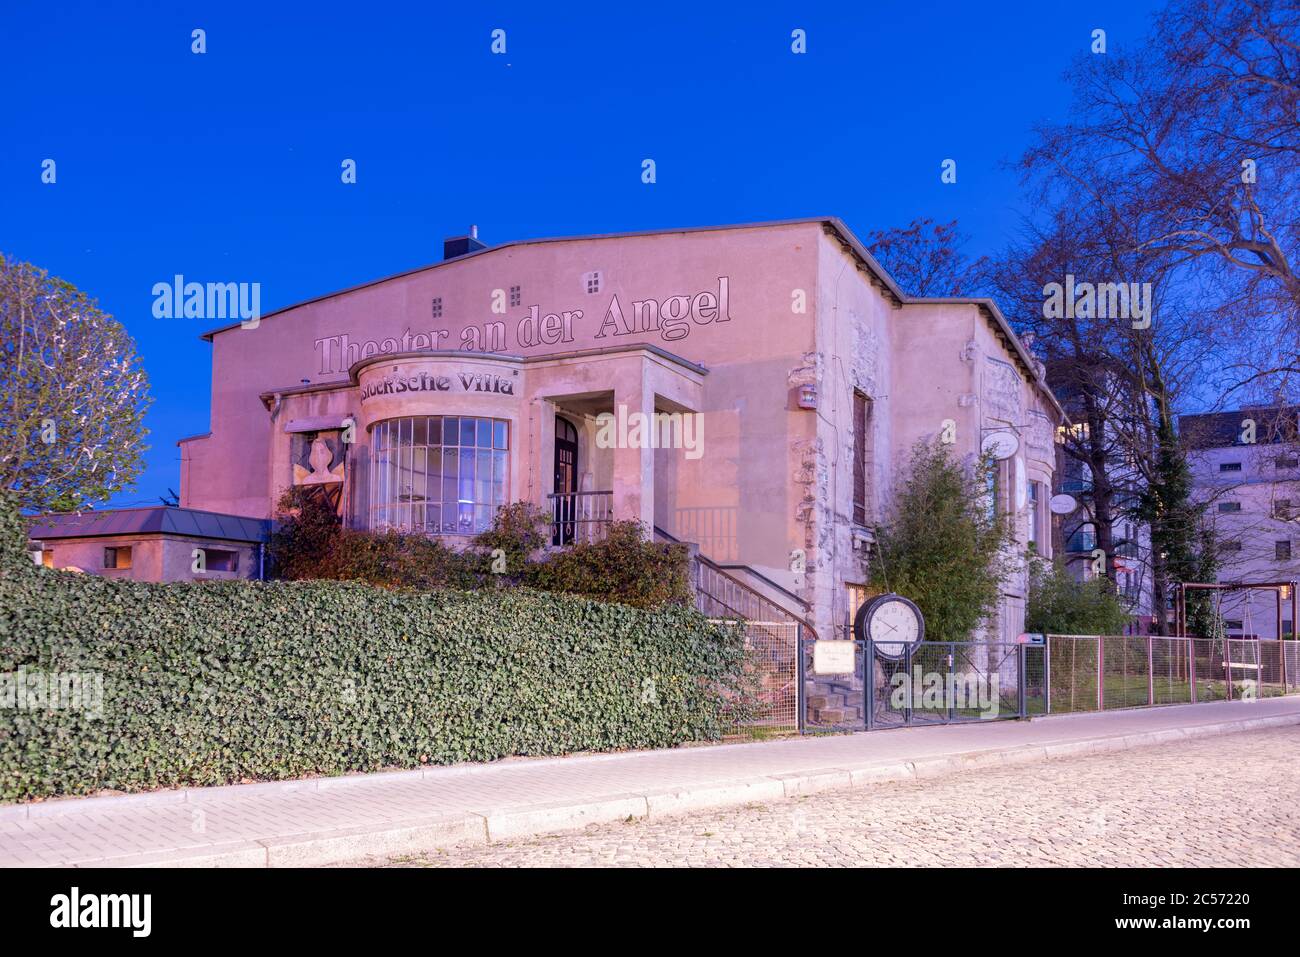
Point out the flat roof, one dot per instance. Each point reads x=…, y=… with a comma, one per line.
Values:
x=155, y=519
x=831, y=224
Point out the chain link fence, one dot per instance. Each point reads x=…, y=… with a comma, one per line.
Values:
x=1079, y=673
x=850, y=685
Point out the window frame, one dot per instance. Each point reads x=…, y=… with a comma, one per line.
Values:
x=410, y=481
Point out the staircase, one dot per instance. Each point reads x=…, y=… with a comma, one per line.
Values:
x=772, y=632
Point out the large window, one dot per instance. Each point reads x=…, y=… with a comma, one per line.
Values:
x=442, y=474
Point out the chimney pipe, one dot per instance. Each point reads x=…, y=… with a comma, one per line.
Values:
x=473, y=232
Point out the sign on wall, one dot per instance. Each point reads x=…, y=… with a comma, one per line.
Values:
x=671, y=318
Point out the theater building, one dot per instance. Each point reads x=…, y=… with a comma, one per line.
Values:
x=751, y=390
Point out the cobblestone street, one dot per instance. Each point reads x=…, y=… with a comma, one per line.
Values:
x=1227, y=800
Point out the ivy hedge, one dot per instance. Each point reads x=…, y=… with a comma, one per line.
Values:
x=221, y=682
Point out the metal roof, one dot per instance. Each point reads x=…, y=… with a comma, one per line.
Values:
x=157, y=519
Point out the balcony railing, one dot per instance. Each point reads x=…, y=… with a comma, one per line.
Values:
x=1081, y=542
x=580, y=517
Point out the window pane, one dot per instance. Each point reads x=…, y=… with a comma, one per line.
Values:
x=449, y=518
x=466, y=524
x=420, y=467
x=404, y=432
x=421, y=434
x=483, y=485
x=499, y=478
x=466, y=491
x=467, y=432
x=499, y=435
x=435, y=474
x=450, y=429
x=435, y=430
x=485, y=433
x=482, y=518
x=450, y=463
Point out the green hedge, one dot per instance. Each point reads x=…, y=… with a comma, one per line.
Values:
x=212, y=683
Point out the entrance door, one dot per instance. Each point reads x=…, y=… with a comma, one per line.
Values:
x=565, y=510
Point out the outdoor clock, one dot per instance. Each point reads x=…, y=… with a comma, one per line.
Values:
x=892, y=622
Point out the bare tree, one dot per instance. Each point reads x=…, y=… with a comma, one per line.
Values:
x=72, y=394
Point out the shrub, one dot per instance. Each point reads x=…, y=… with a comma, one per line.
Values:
x=943, y=547
x=624, y=567
x=1060, y=605
x=223, y=682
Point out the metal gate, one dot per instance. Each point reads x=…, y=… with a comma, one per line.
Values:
x=935, y=682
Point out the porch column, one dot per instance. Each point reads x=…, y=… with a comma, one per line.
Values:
x=634, y=466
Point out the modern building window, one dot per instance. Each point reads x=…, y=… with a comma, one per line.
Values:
x=1232, y=624
x=1229, y=466
x=1084, y=539
x=441, y=474
x=861, y=413
x=1282, y=550
x=119, y=557
x=1286, y=462
x=516, y=296
x=592, y=281
x=1230, y=545
x=1229, y=506
x=1282, y=509
x=437, y=307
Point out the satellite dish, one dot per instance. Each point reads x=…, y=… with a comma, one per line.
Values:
x=1001, y=445
x=1062, y=504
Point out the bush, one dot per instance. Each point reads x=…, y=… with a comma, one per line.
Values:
x=943, y=547
x=624, y=567
x=1060, y=605
x=220, y=682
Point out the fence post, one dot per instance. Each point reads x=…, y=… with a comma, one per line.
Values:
x=1101, y=672
x=911, y=692
x=1227, y=664
x=1191, y=668
x=869, y=684
x=1047, y=674
x=1151, y=675
x=1024, y=659
x=948, y=686
x=801, y=677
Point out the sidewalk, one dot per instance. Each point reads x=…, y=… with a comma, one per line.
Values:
x=328, y=820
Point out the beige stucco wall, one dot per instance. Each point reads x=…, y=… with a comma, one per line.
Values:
x=799, y=309
x=154, y=558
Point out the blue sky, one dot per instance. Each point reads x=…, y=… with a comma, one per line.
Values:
x=225, y=166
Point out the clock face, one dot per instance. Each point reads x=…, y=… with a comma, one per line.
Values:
x=893, y=623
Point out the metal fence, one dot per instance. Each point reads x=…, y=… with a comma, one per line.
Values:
x=885, y=686
x=851, y=685
x=772, y=652
x=1076, y=673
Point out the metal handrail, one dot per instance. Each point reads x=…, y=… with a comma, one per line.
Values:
x=719, y=594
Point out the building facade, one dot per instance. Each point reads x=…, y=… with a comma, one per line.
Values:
x=751, y=390
x=1245, y=468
